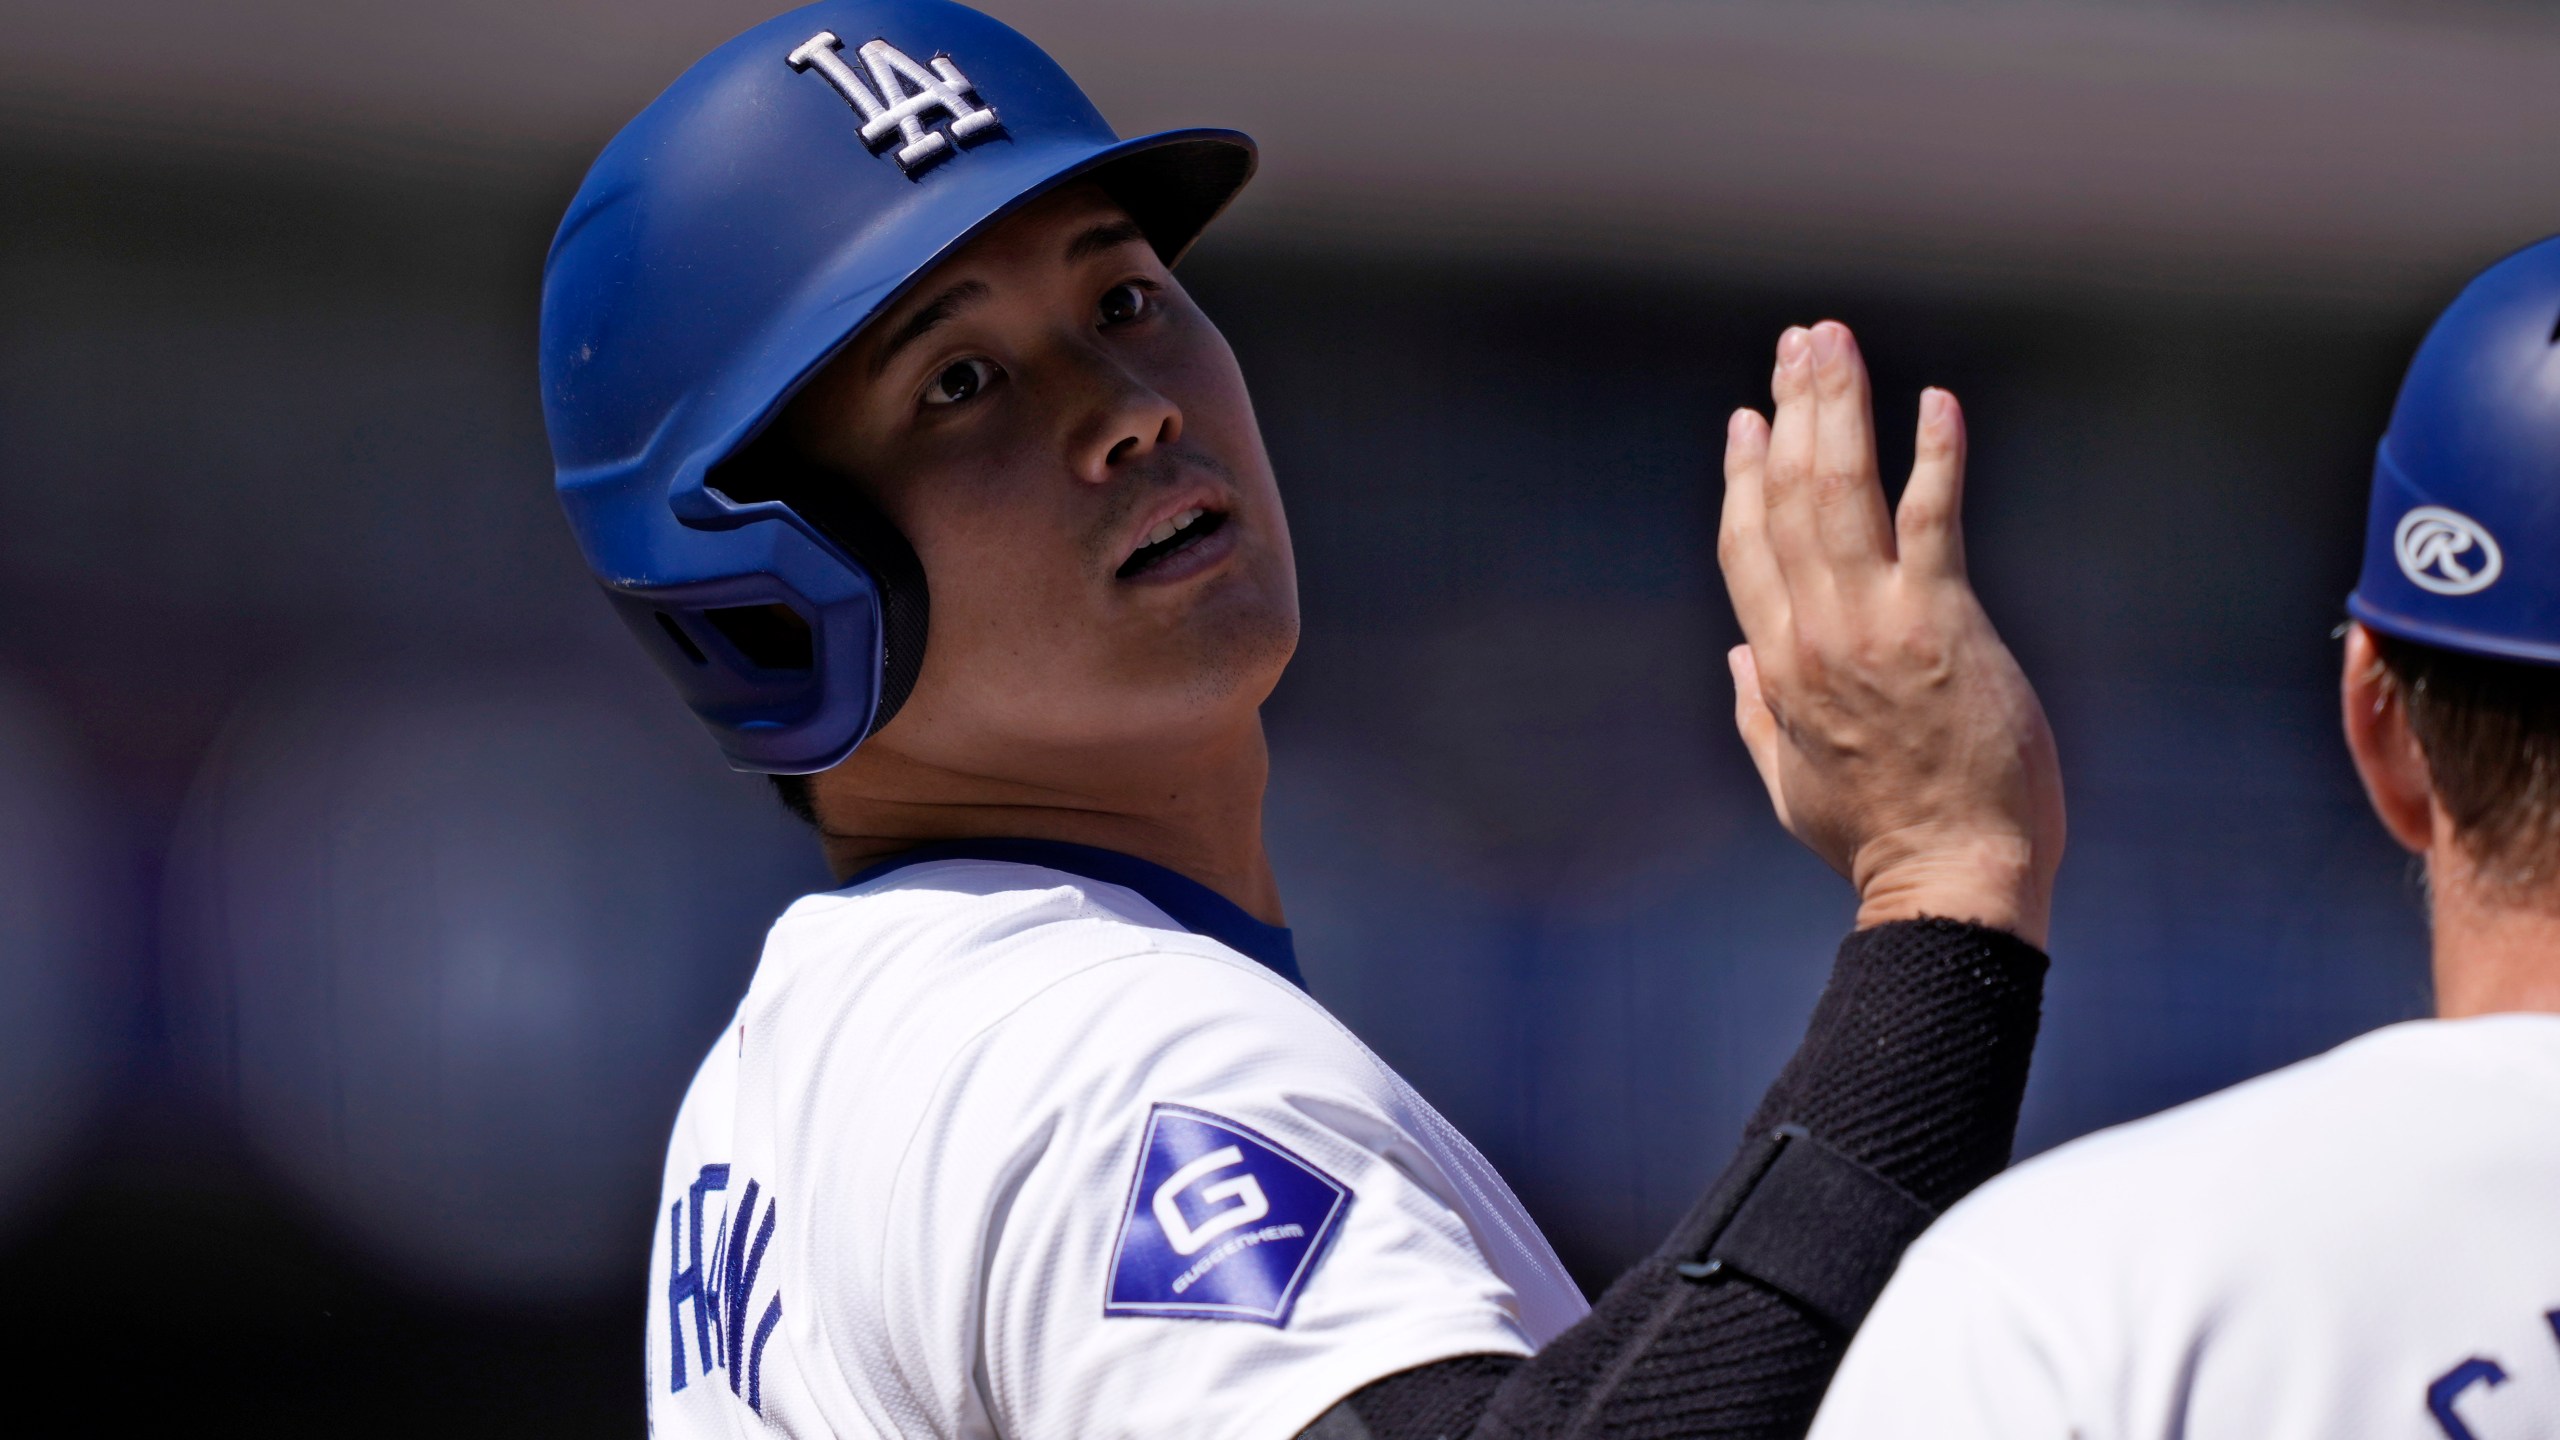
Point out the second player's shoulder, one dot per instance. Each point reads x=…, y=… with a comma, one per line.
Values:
x=2346, y=1131
x=2283, y=1243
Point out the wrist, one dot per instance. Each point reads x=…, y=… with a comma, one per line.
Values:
x=1995, y=881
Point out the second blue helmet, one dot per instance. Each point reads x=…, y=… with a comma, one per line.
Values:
x=2462, y=543
x=781, y=193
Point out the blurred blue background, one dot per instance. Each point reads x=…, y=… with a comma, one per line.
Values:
x=365, y=904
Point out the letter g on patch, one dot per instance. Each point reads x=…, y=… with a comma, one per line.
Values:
x=1251, y=1204
x=1222, y=1222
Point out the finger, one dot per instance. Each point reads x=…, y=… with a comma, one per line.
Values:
x=1848, y=493
x=1742, y=539
x=1757, y=724
x=1930, y=520
x=1786, y=492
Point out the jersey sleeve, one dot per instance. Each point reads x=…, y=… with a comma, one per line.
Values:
x=1167, y=1195
x=1950, y=1352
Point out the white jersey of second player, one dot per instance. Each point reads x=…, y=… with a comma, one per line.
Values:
x=2364, y=1246
x=1000, y=1148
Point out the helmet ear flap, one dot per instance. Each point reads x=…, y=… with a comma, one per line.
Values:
x=771, y=469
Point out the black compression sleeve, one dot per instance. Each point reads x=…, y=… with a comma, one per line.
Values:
x=1913, y=1067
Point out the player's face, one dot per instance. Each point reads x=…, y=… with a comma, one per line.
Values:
x=1067, y=442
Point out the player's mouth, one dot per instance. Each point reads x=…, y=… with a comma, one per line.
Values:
x=1181, y=545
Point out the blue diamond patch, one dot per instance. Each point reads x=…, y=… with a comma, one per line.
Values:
x=1223, y=1223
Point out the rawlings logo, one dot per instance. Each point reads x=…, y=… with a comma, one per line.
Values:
x=2445, y=551
x=908, y=96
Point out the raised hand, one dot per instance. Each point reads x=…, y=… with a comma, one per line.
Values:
x=1897, y=736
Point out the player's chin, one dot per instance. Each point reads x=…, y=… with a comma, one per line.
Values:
x=1225, y=644
x=1246, y=641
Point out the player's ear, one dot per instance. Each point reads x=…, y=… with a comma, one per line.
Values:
x=2388, y=757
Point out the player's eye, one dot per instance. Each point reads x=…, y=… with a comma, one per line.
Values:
x=958, y=381
x=1123, y=303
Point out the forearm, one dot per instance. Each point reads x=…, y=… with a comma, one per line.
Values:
x=1912, y=1068
x=1916, y=1057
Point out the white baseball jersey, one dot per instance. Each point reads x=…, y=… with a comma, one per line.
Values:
x=2364, y=1245
x=1019, y=1139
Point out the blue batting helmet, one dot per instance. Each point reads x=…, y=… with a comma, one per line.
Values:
x=731, y=239
x=2462, y=545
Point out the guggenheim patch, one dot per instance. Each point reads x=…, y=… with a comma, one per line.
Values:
x=1222, y=1223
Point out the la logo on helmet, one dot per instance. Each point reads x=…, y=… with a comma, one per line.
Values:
x=908, y=93
x=2445, y=551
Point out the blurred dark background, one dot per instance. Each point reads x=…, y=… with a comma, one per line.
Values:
x=365, y=904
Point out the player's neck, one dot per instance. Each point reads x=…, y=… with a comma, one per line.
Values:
x=1195, y=809
x=2495, y=951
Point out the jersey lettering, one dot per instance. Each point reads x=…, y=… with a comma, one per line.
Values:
x=719, y=1282
x=908, y=96
x=1222, y=1223
x=2478, y=1372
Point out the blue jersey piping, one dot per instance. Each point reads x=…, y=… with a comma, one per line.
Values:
x=1193, y=906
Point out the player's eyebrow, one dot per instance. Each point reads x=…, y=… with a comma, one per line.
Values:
x=1109, y=235
x=941, y=308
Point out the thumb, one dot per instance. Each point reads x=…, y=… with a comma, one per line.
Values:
x=1758, y=725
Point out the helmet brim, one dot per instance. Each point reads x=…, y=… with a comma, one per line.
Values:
x=1172, y=183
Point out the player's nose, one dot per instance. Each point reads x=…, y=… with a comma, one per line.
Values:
x=1118, y=420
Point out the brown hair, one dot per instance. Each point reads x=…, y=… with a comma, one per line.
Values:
x=2491, y=733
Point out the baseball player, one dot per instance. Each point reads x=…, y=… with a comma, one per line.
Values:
x=2362, y=1244
x=883, y=422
